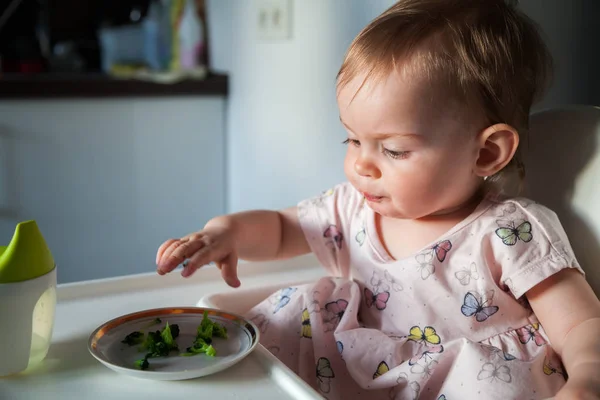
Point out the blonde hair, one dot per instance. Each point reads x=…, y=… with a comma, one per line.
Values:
x=487, y=52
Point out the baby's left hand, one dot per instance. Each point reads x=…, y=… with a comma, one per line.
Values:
x=581, y=389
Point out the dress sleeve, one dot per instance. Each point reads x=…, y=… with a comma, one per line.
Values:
x=530, y=245
x=326, y=223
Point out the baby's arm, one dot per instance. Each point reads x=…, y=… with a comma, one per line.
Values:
x=250, y=235
x=570, y=313
x=265, y=235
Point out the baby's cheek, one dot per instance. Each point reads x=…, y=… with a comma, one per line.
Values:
x=348, y=164
x=412, y=194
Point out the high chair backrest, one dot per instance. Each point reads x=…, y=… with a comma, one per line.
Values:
x=562, y=159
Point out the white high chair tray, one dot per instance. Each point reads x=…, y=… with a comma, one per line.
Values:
x=70, y=372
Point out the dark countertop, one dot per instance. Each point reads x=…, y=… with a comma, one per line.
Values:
x=53, y=86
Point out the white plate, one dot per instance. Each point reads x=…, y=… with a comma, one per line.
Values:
x=105, y=343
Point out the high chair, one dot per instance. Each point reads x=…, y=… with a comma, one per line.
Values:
x=562, y=162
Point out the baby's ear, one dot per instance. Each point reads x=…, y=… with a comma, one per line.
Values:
x=497, y=146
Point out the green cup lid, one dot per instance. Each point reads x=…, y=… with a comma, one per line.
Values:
x=27, y=256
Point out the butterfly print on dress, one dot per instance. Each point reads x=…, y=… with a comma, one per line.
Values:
x=478, y=306
x=334, y=235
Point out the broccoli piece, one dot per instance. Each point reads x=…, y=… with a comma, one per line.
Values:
x=133, y=338
x=169, y=334
x=219, y=331
x=200, y=347
x=208, y=328
x=174, y=331
x=191, y=351
x=161, y=343
x=199, y=342
x=143, y=363
x=204, y=336
x=210, y=351
x=155, y=345
x=161, y=349
x=167, y=337
x=150, y=343
x=205, y=330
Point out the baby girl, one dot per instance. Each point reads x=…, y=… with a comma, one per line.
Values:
x=443, y=284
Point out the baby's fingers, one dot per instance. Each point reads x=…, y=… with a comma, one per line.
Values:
x=218, y=252
x=162, y=248
x=229, y=270
x=207, y=253
x=227, y=263
x=178, y=251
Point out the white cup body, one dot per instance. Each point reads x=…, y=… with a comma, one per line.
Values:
x=26, y=322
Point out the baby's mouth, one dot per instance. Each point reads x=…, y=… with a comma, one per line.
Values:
x=372, y=198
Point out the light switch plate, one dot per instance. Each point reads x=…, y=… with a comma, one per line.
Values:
x=274, y=19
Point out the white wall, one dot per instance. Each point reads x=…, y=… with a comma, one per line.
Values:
x=284, y=135
x=109, y=180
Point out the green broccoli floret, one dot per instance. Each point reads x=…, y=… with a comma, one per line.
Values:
x=157, y=321
x=161, y=343
x=206, y=322
x=143, y=363
x=158, y=344
x=161, y=349
x=167, y=337
x=208, y=328
x=155, y=345
x=219, y=331
x=174, y=331
x=200, y=347
x=210, y=351
x=150, y=342
x=192, y=351
x=133, y=338
x=205, y=330
x=204, y=336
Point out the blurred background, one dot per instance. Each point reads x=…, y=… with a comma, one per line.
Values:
x=126, y=122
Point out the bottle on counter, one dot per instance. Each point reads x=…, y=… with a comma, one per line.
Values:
x=190, y=37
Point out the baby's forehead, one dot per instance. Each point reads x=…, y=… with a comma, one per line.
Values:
x=401, y=101
x=382, y=111
x=399, y=88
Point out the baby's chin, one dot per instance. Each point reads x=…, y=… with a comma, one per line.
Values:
x=387, y=211
x=392, y=212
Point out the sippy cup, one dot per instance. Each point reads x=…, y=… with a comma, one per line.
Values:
x=27, y=299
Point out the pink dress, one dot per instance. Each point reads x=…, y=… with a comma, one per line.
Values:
x=450, y=322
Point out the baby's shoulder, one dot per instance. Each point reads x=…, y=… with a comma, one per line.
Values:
x=519, y=220
x=524, y=243
x=515, y=211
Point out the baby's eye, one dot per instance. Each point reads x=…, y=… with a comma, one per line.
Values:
x=352, y=141
x=396, y=155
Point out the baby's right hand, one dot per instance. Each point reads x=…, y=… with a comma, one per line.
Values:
x=212, y=244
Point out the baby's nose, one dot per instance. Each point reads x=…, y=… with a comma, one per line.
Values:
x=366, y=168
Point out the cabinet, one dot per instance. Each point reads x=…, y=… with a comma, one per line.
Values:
x=109, y=179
